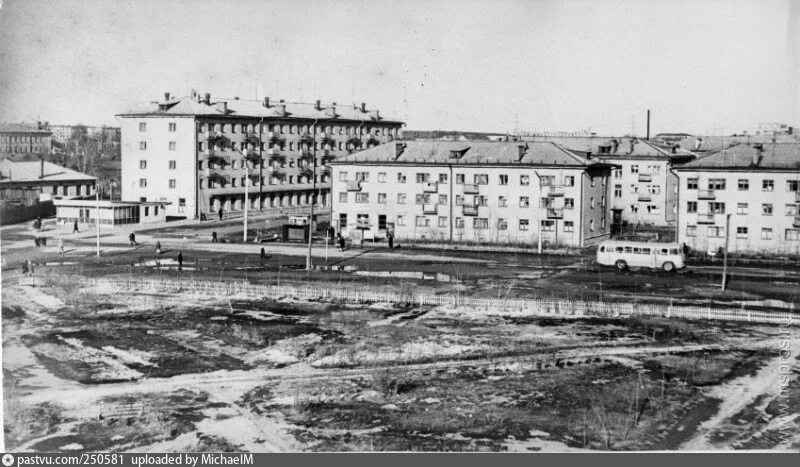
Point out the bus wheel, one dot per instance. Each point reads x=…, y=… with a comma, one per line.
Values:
x=621, y=265
x=668, y=266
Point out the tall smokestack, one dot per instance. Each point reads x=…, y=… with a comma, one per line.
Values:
x=648, y=124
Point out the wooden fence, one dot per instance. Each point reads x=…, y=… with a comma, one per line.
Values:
x=523, y=307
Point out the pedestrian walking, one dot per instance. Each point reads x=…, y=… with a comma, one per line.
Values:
x=75, y=227
x=60, y=246
x=39, y=223
x=220, y=213
x=132, y=238
x=340, y=240
x=390, y=237
x=202, y=216
x=36, y=240
x=43, y=240
x=24, y=267
x=180, y=261
x=158, y=248
x=213, y=236
x=263, y=254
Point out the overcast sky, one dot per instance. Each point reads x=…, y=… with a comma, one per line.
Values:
x=700, y=66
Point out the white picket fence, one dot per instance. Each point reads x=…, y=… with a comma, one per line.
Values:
x=523, y=307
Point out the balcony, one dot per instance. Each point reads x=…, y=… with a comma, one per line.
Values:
x=306, y=156
x=797, y=196
x=431, y=209
x=645, y=197
x=307, y=171
x=471, y=189
x=274, y=155
x=705, y=219
x=706, y=194
x=553, y=190
x=470, y=210
x=645, y=177
x=363, y=224
x=274, y=169
x=555, y=213
x=327, y=156
x=796, y=222
x=431, y=187
x=354, y=185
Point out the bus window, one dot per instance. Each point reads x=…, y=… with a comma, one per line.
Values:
x=637, y=250
x=619, y=249
x=663, y=251
x=602, y=249
x=646, y=251
x=628, y=249
x=673, y=251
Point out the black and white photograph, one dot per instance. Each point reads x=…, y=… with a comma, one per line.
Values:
x=239, y=227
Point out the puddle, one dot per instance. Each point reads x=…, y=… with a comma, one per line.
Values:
x=420, y=275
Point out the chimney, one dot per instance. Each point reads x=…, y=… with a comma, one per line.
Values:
x=281, y=108
x=332, y=110
x=759, y=148
x=266, y=102
x=166, y=96
x=363, y=107
x=318, y=105
x=222, y=106
x=207, y=101
x=521, y=148
x=377, y=115
x=398, y=149
x=697, y=143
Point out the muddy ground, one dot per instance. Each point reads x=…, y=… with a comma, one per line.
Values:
x=112, y=370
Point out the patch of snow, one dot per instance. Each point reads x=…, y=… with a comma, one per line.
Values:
x=431, y=400
x=389, y=407
x=134, y=356
x=71, y=447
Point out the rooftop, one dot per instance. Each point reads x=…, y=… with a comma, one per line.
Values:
x=24, y=128
x=626, y=146
x=772, y=156
x=11, y=171
x=545, y=154
x=267, y=108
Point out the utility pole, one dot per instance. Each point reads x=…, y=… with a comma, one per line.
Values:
x=97, y=220
x=246, y=184
x=313, y=189
x=725, y=253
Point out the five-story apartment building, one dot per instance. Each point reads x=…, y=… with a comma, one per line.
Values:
x=200, y=154
x=489, y=192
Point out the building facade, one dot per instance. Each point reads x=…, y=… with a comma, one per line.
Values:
x=488, y=192
x=45, y=178
x=756, y=185
x=199, y=154
x=18, y=140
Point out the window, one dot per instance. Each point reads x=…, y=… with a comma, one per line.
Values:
x=617, y=173
x=401, y=220
x=716, y=208
x=654, y=189
x=569, y=203
x=442, y=199
x=502, y=201
x=342, y=176
x=502, y=224
x=653, y=209
x=480, y=223
x=591, y=225
x=791, y=210
x=741, y=208
x=766, y=233
x=422, y=221
x=792, y=234
x=524, y=224
x=381, y=198
x=172, y=145
x=691, y=207
x=634, y=169
x=142, y=145
x=691, y=230
x=460, y=179
x=793, y=185
x=342, y=221
x=481, y=179
x=342, y=196
x=744, y=184
x=442, y=221
x=480, y=200
x=569, y=180
x=362, y=176
x=692, y=183
x=504, y=179
x=201, y=146
x=741, y=232
x=569, y=226
x=423, y=178
x=173, y=127
x=634, y=209
x=401, y=198
x=142, y=126
x=142, y=183
x=459, y=222
x=173, y=165
x=381, y=177
x=591, y=202
x=142, y=164
x=442, y=178
x=524, y=180
x=181, y=204
x=548, y=226
x=172, y=183
x=362, y=197
x=617, y=191
x=423, y=198
x=766, y=209
x=524, y=201
x=716, y=232
x=401, y=178
x=716, y=184
x=547, y=180
x=591, y=180
x=768, y=185
x=459, y=200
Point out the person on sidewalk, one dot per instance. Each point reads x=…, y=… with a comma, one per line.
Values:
x=390, y=237
x=60, y=246
x=24, y=267
x=263, y=254
x=180, y=261
x=158, y=248
x=340, y=240
x=75, y=227
x=132, y=238
x=220, y=213
x=30, y=267
x=213, y=236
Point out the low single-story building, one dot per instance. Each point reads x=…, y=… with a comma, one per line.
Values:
x=112, y=213
x=17, y=178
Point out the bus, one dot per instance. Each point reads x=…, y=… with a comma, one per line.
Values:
x=623, y=254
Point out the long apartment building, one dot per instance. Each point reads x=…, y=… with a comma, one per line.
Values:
x=644, y=189
x=757, y=185
x=21, y=140
x=490, y=192
x=198, y=154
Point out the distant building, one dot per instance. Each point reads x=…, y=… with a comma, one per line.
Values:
x=106, y=134
x=45, y=178
x=758, y=185
x=489, y=192
x=188, y=151
x=18, y=140
x=451, y=135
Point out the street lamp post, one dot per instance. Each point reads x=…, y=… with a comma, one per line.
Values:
x=246, y=185
x=313, y=189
